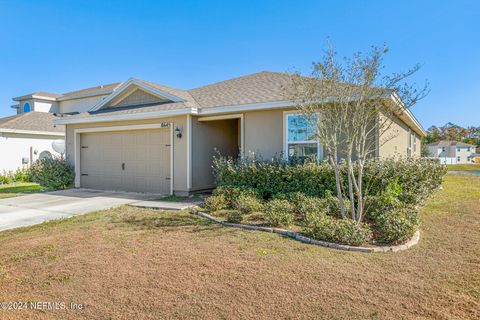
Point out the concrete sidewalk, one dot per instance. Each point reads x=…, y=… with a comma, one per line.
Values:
x=166, y=205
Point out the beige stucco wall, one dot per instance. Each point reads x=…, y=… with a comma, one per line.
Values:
x=210, y=138
x=79, y=105
x=394, y=142
x=264, y=132
x=180, y=161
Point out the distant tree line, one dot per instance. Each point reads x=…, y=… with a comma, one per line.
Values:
x=450, y=131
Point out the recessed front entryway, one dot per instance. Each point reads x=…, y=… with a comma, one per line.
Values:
x=133, y=160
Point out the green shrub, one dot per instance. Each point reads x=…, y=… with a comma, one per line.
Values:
x=394, y=221
x=270, y=178
x=397, y=226
x=231, y=194
x=22, y=175
x=279, y=212
x=216, y=202
x=6, y=178
x=53, y=174
x=303, y=204
x=418, y=177
x=255, y=217
x=343, y=231
x=234, y=217
x=332, y=205
x=247, y=204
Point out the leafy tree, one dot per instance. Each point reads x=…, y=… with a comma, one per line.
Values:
x=350, y=104
x=451, y=131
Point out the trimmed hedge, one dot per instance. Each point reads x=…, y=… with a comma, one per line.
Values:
x=418, y=177
x=274, y=177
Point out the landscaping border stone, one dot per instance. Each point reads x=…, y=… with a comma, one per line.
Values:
x=296, y=236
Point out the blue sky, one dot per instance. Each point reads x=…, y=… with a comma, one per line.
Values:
x=59, y=46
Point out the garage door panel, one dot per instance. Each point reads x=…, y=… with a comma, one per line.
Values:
x=145, y=153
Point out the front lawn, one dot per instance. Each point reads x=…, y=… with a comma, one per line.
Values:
x=129, y=263
x=464, y=167
x=18, y=188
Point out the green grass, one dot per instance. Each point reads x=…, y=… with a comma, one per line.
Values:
x=464, y=167
x=19, y=188
x=175, y=265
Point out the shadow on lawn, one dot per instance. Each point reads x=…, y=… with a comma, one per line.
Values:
x=167, y=221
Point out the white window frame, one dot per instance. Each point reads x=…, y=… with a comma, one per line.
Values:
x=286, y=114
x=414, y=142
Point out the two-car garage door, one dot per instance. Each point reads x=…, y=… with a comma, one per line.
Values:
x=137, y=161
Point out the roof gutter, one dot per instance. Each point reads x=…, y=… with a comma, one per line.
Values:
x=34, y=96
x=216, y=110
x=407, y=111
x=127, y=117
x=41, y=133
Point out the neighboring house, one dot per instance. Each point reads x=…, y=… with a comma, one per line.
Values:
x=452, y=152
x=26, y=137
x=476, y=156
x=145, y=137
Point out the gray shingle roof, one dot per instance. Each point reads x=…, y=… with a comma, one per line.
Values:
x=31, y=121
x=450, y=143
x=189, y=100
x=254, y=88
x=105, y=88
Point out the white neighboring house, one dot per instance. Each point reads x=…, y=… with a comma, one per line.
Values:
x=25, y=136
x=452, y=152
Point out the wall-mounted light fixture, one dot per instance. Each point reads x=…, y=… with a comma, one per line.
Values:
x=178, y=132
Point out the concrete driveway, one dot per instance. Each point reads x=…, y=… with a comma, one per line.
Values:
x=36, y=208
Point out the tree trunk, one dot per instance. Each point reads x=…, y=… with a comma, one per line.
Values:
x=350, y=187
x=360, y=200
x=338, y=182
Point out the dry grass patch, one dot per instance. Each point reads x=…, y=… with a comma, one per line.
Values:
x=130, y=263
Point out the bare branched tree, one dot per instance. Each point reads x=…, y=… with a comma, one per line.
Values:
x=353, y=106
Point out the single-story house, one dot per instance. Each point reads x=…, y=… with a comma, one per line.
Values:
x=452, y=152
x=146, y=137
x=25, y=137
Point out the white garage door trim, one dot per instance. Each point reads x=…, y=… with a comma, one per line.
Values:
x=162, y=125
